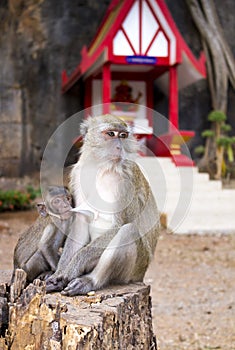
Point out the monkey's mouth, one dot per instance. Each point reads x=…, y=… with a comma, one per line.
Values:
x=116, y=158
x=116, y=155
x=66, y=214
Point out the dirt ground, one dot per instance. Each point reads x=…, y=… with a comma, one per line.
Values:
x=192, y=280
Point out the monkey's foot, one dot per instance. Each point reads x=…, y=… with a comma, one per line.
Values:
x=55, y=284
x=78, y=286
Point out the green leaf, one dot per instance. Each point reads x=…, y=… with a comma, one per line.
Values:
x=223, y=141
x=226, y=127
x=199, y=149
x=217, y=116
x=208, y=133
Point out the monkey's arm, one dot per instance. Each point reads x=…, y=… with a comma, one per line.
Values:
x=82, y=262
x=78, y=237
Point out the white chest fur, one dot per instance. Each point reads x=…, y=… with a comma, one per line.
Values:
x=107, y=186
x=100, y=195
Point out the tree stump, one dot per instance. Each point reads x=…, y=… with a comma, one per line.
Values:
x=118, y=317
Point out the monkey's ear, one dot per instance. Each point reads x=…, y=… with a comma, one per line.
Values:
x=84, y=127
x=42, y=210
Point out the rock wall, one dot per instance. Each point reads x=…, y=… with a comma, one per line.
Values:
x=40, y=38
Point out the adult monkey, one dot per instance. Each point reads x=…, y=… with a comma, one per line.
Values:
x=123, y=235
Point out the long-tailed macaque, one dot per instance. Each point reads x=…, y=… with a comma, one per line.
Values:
x=123, y=234
x=38, y=249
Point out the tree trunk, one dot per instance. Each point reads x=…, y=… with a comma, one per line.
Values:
x=220, y=67
x=220, y=61
x=118, y=317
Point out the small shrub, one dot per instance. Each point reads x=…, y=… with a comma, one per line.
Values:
x=223, y=154
x=217, y=116
x=17, y=200
x=208, y=133
x=34, y=193
x=199, y=150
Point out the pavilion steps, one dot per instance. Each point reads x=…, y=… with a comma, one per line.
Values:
x=193, y=203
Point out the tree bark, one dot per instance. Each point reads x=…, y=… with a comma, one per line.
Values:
x=118, y=317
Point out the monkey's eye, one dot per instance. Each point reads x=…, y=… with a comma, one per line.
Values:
x=110, y=133
x=123, y=135
x=56, y=201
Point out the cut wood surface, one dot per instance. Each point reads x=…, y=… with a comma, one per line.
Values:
x=118, y=317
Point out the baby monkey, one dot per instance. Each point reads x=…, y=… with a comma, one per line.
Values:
x=38, y=249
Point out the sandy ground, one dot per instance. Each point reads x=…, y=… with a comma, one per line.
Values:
x=192, y=280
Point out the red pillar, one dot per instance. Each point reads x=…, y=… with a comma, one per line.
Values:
x=149, y=90
x=87, y=100
x=106, y=87
x=173, y=97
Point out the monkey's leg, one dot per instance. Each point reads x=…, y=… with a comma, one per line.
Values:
x=116, y=264
x=83, y=262
x=46, y=246
x=35, y=266
x=78, y=266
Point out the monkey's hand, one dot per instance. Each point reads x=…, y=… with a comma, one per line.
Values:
x=79, y=286
x=55, y=284
x=45, y=275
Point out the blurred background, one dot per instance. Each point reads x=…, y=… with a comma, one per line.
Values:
x=192, y=276
x=41, y=38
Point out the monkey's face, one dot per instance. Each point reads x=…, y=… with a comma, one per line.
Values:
x=61, y=205
x=114, y=143
x=109, y=139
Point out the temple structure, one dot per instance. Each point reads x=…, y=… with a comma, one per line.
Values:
x=136, y=44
